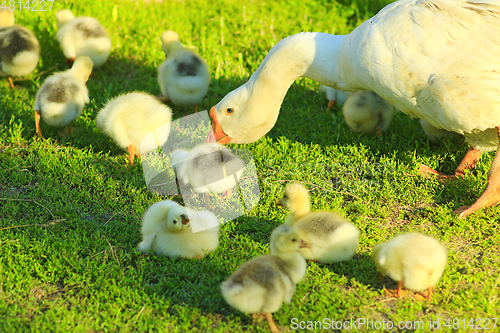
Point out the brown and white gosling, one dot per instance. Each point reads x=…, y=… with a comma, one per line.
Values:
x=365, y=111
x=62, y=96
x=331, y=237
x=184, y=75
x=262, y=284
x=82, y=36
x=19, y=48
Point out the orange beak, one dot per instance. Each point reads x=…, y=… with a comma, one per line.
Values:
x=279, y=203
x=217, y=133
x=184, y=219
x=304, y=244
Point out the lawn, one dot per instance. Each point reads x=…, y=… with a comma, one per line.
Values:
x=71, y=208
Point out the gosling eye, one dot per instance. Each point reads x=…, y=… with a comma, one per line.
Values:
x=294, y=239
x=229, y=111
x=175, y=222
x=285, y=196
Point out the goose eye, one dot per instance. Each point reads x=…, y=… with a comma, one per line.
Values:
x=175, y=221
x=229, y=111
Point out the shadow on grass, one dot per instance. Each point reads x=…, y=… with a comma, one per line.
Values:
x=359, y=267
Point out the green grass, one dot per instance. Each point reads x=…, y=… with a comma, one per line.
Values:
x=71, y=208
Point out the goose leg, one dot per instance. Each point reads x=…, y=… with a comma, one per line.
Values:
x=38, y=115
x=270, y=320
x=131, y=154
x=331, y=104
x=207, y=200
x=68, y=130
x=491, y=194
x=429, y=295
x=11, y=83
x=468, y=163
x=400, y=292
x=196, y=108
x=163, y=99
x=227, y=193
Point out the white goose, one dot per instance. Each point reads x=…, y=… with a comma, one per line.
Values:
x=438, y=60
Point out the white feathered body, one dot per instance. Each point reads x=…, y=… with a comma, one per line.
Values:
x=209, y=167
x=438, y=60
x=414, y=258
x=84, y=36
x=61, y=99
x=183, y=77
x=127, y=119
x=331, y=237
x=181, y=242
x=19, y=51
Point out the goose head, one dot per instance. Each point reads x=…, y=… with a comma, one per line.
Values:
x=246, y=119
x=63, y=17
x=177, y=219
x=250, y=111
x=285, y=239
x=379, y=257
x=170, y=41
x=6, y=18
x=296, y=199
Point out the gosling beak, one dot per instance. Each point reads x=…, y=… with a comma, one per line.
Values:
x=184, y=219
x=217, y=134
x=304, y=244
x=279, y=203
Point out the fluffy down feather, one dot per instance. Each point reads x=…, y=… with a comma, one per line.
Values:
x=19, y=48
x=82, y=36
x=264, y=283
x=62, y=96
x=129, y=118
x=184, y=75
x=167, y=230
x=414, y=258
x=331, y=237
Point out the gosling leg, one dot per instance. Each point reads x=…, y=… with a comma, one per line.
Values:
x=38, y=133
x=131, y=154
x=270, y=320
